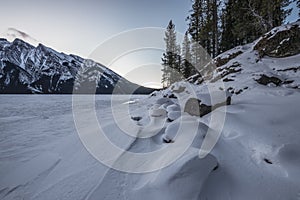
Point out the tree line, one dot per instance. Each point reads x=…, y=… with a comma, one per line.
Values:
x=217, y=26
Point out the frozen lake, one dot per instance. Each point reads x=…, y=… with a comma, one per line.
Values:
x=41, y=155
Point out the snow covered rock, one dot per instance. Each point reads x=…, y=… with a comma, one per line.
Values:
x=280, y=42
x=265, y=80
x=171, y=132
x=178, y=87
x=183, y=180
x=173, y=107
x=229, y=55
x=173, y=115
x=156, y=111
x=164, y=100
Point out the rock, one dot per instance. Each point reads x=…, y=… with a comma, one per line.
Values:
x=227, y=80
x=238, y=92
x=222, y=61
x=225, y=71
x=194, y=106
x=156, y=111
x=153, y=94
x=172, y=96
x=180, y=89
x=171, y=132
x=280, y=43
x=265, y=80
x=136, y=118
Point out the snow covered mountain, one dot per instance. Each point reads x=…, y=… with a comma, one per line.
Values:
x=28, y=69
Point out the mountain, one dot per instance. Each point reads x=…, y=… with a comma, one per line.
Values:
x=26, y=69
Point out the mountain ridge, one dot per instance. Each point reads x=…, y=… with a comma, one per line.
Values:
x=26, y=69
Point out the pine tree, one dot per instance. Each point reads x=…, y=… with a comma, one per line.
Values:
x=298, y=5
x=269, y=14
x=171, y=58
x=227, y=20
x=187, y=68
x=197, y=30
x=215, y=28
x=204, y=25
x=243, y=21
x=196, y=20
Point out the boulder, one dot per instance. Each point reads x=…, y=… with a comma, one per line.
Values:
x=280, y=42
x=195, y=107
x=265, y=80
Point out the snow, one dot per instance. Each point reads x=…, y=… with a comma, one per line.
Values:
x=39, y=138
x=173, y=107
x=164, y=100
x=44, y=155
x=173, y=115
x=155, y=111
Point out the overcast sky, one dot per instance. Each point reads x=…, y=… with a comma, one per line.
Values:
x=79, y=27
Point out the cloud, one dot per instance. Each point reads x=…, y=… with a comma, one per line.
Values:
x=13, y=33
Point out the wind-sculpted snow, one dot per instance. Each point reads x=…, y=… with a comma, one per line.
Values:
x=257, y=154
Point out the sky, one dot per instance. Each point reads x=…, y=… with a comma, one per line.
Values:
x=79, y=27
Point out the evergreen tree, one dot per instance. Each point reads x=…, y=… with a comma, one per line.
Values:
x=196, y=20
x=204, y=25
x=171, y=58
x=298, y=5
x=187, y=68
x=196, y=23
x=227, y=20
x=269, y=14
x=215, y=28
x=243, y=21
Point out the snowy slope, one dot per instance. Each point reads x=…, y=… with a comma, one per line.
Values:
x=257, y=155
x=258, y=150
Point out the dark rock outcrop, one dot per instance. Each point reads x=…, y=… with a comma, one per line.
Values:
x=194, y=107
x=265, y=80
x=282, y=43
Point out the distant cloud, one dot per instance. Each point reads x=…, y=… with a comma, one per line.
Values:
x=13, y=33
